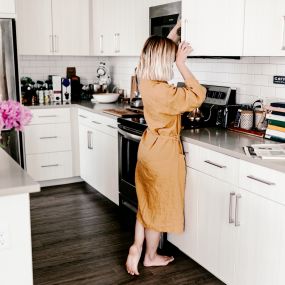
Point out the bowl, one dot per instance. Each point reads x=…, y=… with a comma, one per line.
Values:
x=106, y=97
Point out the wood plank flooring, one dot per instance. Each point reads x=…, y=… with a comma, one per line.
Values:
x=78, y=240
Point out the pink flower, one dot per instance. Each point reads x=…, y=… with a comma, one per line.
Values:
x=14, y=115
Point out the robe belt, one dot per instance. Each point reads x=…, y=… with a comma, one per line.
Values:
x=174, y=137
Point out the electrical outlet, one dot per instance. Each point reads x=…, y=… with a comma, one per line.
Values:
x=3, y=239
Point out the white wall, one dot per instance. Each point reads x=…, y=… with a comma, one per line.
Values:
x=39, y=67
x=252, y=76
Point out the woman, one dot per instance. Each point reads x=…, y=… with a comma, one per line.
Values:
x=160, y=170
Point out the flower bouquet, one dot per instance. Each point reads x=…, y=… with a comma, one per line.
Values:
x=13, y=116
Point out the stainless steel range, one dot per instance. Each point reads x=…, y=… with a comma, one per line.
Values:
x=130, y=131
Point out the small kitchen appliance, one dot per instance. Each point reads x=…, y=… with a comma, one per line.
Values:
x=66, y=89
x=56, y=88
x=218, y=110
x=163, y=18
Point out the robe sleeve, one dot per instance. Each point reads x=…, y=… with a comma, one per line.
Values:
x=177, y=100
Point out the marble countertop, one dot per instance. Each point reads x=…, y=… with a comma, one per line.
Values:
x=217, y=139
x=13, y=179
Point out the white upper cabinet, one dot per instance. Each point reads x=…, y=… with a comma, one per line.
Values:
x=117, y=29
x=71, y=27
x=214, y=28
x=46, y=27
x=34, y=27
x=264, y=32
x=7, y=7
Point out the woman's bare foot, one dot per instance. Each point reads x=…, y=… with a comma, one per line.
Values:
x=157, y=260
x=133, y=260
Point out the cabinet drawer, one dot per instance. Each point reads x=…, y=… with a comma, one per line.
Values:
x=262, y=181
x=98, y=122
x=49, y=166
x=47, y=138
x=50, y=116
x=218, y=165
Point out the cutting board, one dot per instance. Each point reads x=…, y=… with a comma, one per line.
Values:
x=119, y=112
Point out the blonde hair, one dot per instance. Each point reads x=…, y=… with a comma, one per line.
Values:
x=157, y=58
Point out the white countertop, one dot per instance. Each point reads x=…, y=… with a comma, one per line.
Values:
x=13, y=179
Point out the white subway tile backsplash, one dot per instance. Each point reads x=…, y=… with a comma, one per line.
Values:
x=277, y=59
x=267, y=92
x=262, y=80
x=280, y=69
x=251, y=76
x=280, y=93
x=262, y=59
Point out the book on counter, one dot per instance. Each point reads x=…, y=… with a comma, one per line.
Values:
x=265, y=151
x=276, y=122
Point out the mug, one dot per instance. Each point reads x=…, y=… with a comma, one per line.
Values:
x=246, y=119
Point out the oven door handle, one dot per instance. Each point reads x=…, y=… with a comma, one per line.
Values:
x=129, y=136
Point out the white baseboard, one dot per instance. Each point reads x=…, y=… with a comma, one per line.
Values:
x=56, y=182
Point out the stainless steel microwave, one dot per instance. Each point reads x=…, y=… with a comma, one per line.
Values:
x=162, y=18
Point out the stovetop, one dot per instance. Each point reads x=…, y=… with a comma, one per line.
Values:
x=135, y=122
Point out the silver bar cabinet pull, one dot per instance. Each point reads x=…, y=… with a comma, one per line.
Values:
x=260, y=180
x=186, y=30
x=46, y=138
x=112, y=127
x=97, y=123
x=50, y=165
x=237, y=221
x=51, y=49
x=89, y=140
x=101, y=44
x=231, y=219
x=215, y=164
x=82, y=116
x=283, y=34
x=48, y=116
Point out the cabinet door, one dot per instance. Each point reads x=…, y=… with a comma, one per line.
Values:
x=213, y=28
x=105, y=15
x=215, y=234
x=187, y=242
x=7, y=7
x=34, y=27
x=71, y=27
x=264, y=32
x=97, y=29
x=260, y=256
x=106, y=147
x=86, y=153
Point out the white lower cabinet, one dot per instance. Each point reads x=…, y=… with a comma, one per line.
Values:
x=260, y=258
x=235, y=230
x=99, y=154
x=48, y=144
x=187, y=242
x=49, y=166
x=209, y=234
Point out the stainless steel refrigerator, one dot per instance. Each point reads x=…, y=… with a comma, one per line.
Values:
x=11, y=141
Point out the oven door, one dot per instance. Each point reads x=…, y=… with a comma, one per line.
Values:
x=129, y=140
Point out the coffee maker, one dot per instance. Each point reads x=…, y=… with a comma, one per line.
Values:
x=218, y=110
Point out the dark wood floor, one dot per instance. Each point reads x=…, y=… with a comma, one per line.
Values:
x=77, y=239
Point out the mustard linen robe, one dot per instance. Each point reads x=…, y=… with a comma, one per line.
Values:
x=160, y=169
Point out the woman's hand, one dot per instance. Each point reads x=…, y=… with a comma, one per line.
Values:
x=184, y=49
x=174, y=35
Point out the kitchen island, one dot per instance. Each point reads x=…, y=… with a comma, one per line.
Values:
x=15, y=227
